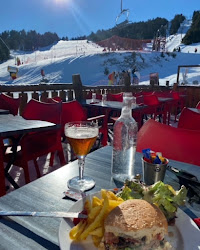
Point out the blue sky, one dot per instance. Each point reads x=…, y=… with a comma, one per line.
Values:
x=80, y=17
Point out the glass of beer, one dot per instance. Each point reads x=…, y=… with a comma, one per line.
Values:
x=81, y=136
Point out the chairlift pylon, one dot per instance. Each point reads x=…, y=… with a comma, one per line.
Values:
x=124, y=12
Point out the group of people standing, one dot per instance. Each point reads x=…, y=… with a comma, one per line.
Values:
x=117, y=78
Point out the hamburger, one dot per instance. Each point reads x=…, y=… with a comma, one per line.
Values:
x=135, y=224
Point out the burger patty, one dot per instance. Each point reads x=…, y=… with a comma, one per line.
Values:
x=116, y=242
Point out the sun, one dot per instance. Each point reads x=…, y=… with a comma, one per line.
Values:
x=62, y=2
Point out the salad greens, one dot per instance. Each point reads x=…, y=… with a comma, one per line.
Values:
x=160, y=194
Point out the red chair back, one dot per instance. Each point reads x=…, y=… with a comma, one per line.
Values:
x=162, y=94
x=140, y=99
x=174, y=143
x=151, y=100
x=36, y=110
x=52, y=100
x=137, y=93
x=9, y=103
x=115, y=97
x=98, y=96
x=72, y=111
x=146, y=92
x=175, y=95
x=189, y=119
x=198, y=105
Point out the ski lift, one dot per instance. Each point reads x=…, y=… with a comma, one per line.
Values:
x=124, y=12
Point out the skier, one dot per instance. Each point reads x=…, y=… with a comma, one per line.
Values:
x=42, y=74
x=136, y=76
x=111, y=78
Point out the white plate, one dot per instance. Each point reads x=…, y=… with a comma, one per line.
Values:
x=186, y=235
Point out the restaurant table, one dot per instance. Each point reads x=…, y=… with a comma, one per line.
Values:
x=14, y=128
x=46, y=194
x=111, y=106
x=4, y=112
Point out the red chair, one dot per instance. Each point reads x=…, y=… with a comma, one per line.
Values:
x=169, y=104
x=115, y=97
x=52, y=99
x=114, y=114
x=138, y=114
x=174, y=143
x=178, y=103
x=34, y=145
x=73, y=111
x=155, y=108
x=189, y=119
x=198, y=105
x=140, y=100
x=9, y=103
x=146, y=92
x=89, y=96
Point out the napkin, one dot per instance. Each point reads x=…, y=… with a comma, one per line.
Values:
x=197, y=221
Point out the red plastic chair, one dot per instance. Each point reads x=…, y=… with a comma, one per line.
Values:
x=36, y=144
x=146, y=92
x=114, y=114
x=115, y=97
x=89, y=96
x=174, y=143
x=169, y=104
x=9, y=103
x=73, y=111
x=178, y=103
x=52, y=99
x=189, y=119
x=198, y=105
x=138, y=114
x=155, y=108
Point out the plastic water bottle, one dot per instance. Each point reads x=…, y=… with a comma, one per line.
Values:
x=124, y=142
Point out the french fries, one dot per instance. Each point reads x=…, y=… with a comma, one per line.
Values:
x=97, y=210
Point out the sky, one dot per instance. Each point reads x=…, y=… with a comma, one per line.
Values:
x=74, y=18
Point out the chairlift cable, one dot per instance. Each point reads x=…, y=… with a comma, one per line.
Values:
x=4, y=43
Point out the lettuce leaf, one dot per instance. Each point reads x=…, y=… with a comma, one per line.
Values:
x=163, y=195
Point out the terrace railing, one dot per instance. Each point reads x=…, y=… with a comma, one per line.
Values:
x=76, y=90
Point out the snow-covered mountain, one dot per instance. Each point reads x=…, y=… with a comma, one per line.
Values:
x=60, y=61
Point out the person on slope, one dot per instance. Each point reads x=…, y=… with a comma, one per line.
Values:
x=111, y=78
x=135, y=77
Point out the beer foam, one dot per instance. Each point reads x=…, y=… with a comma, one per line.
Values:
x=81, y=132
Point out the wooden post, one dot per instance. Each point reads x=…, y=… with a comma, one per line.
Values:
x=127, y=82
x=44, y=96
x=63, y=95
x=54, y=93
x=24, y=100
x=78, y=87
x=35, y=95
x=2, y=175
x=70, y=95
x=175, y=87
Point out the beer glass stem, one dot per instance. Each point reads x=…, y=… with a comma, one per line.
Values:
x=81, y=163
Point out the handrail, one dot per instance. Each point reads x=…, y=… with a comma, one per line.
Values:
x=75, y=90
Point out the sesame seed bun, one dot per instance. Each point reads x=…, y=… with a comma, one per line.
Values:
x=136, y=219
